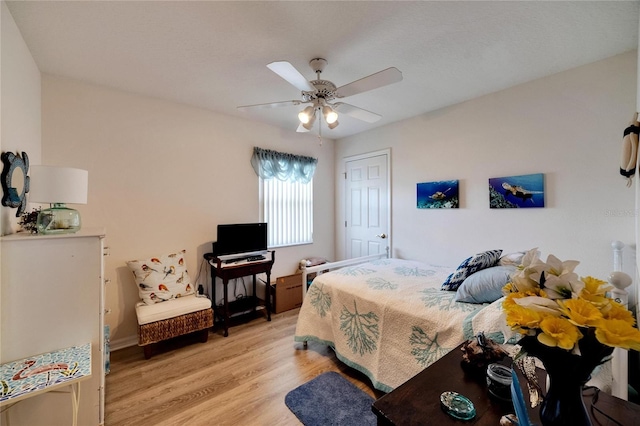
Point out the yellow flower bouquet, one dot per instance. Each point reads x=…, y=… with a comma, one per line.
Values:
x=548, y=300
x=570, y=324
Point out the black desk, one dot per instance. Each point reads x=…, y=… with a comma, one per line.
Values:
x=228, y=271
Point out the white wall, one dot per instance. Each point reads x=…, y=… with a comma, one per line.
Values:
x=568, y=126
x=20, y=105
x=162, y=176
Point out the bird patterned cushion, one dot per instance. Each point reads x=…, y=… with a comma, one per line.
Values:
x=161, y=278
x=473, y=264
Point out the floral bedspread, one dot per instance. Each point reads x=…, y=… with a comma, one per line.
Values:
x=389, y=319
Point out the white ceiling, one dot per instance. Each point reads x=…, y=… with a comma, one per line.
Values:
x=213, y=54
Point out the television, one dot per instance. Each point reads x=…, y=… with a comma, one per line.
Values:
x=241, y=240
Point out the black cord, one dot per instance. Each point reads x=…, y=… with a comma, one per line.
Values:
x=236, y=296
x=594, y=401
x=196, y=283
x=202, y=263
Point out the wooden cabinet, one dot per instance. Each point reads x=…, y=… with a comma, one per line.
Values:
x=52, y=297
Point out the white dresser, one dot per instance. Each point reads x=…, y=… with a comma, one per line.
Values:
x=52, y=297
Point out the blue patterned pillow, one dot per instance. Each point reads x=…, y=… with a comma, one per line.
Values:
x=473, y=264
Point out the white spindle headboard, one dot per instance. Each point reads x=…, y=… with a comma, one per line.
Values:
x=620, y=363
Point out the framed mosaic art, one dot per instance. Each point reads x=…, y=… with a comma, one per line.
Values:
x=438, y=195
x=512, y=192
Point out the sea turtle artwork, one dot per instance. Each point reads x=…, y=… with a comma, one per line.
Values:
x=438, y=195
x=519, y=192
x=523, y=191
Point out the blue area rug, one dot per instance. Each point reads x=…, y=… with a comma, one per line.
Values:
x=330, y=399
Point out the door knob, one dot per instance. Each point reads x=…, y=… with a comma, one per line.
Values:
x=383, y=236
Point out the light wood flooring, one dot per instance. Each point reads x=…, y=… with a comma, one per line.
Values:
x=241, y=379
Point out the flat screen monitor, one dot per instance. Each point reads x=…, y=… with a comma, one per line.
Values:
x=240, y=240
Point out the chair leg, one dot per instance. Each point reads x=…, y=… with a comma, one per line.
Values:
x=148, y=351
x=204, y=335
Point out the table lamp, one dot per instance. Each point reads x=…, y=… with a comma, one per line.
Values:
x=58, y=186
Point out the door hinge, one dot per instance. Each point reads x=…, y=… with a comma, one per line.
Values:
x=345, y=175
x=345, y=223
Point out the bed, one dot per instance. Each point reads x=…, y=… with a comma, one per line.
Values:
x=389, y=318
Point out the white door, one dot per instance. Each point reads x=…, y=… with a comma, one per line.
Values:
x=367, y=205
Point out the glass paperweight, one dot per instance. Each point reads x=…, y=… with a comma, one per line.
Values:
x=457, y=406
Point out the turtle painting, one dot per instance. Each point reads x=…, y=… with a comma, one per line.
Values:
x=517, y=191
x=438, y=195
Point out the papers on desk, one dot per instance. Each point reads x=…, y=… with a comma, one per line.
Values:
x=239, y=262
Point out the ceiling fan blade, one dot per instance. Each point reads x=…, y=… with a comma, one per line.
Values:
x=355, y=112
x=288, y=72
x=379, y=79
x=271, y=105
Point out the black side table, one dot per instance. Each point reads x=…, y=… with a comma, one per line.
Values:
x=228, y=271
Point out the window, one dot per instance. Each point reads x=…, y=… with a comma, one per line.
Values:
x=288, y=209
x=286, y=196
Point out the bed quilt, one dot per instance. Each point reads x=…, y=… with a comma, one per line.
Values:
x=389, y=319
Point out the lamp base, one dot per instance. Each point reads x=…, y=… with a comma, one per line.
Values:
x=58, y=219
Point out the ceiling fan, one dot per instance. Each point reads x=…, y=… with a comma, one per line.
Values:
x=321, y=94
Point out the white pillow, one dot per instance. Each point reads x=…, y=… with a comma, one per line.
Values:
x=512, y=258
x=484, y=286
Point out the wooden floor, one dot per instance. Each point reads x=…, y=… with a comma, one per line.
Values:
x=241, y=379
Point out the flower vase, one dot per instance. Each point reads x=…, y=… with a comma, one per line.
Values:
x=563, y=403
x=567, y=374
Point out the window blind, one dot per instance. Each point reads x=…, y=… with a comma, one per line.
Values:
x=288, y=209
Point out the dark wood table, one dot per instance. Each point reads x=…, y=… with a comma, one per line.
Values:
x=228, y=271
x=417, y=401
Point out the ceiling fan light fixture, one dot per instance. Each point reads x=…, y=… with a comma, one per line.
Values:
x=309, y=124
x=330, y=116
x=319, y=92
x=307, y=115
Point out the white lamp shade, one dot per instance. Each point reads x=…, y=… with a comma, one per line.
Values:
x=330, y=115
x=306, y=114
x=65, y=185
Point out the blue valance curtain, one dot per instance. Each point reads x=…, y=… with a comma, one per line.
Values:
x=286, y=167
